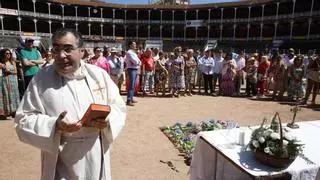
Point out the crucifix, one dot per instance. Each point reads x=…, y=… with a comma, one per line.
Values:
x=100, y=89
x=295, y=110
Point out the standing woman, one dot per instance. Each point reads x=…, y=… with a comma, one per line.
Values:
x=297, y=72
x=161, y=74
x=279, y=77
x=2, y=99
x=115, y=66
x=262, y=74
x=11, y=91
x=228, y=74
x=48, y=60
x=169, y=61
x=99, y=60
x=190, y=70
x=313, y=80
x=177, y=73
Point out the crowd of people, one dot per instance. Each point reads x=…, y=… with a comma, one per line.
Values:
x=59, y=89
x=18, y=66
x=181, y=72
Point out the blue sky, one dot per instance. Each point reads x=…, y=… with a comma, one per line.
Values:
x=146, y=1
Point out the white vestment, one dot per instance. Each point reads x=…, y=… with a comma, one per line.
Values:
x=76, y=155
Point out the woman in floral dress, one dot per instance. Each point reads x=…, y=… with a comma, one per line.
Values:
x=190, y=67
x=11, y=90
x=161, y=74
x=228, y=73
x=177, y=73
x=279, y=73
x=2, y=99
x=297, y=72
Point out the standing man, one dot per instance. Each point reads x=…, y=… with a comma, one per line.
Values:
x=115, y=65
x=206, y=66
x=218, y=60
x=31, y=60
x=147, y=71
x=133, y=64
x=49, y=114
x=241, y=63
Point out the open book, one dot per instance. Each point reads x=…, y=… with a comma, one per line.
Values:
x=95, y=111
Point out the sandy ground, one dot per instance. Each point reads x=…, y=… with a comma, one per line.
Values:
x=137, y=152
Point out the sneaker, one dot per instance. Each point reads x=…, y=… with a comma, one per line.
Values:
x=134, y=101
x=254, y=97
x=262, y=96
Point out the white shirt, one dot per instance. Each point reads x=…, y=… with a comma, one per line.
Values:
x=206, y=65
x=132, y=59
x=241, y=63
x=115, y=65
x=288, y=62
x=217, y=64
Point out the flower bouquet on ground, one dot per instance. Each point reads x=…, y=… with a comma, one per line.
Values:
x=183, y=136
x=274, y=146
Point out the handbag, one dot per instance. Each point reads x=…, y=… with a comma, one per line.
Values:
x=314, y=75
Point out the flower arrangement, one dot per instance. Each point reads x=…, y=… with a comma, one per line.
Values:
x=273, y=145
x=183, y=136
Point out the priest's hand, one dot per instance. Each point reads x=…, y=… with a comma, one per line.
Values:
x=100, y=123
x=64, y=125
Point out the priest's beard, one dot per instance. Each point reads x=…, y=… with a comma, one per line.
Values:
x=77, y=74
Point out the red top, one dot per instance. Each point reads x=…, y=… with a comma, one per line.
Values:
x=148, y=63
x=262, y=68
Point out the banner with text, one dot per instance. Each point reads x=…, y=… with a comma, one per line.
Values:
x=195, y=23
x=5, y=11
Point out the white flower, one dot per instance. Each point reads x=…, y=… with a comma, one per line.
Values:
x=261, y=139
x=275, y=136
x=267, y=132
x=267, y=150
x=285, y=142
x=288, y=136
x=255, y=143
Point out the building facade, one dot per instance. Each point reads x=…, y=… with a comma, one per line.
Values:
x=243, y=21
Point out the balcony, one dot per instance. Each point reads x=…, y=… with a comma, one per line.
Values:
x=212, y=21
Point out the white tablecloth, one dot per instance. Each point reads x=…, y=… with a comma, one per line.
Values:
x=210, y=164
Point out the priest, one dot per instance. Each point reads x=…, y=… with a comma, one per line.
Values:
x=50, y=113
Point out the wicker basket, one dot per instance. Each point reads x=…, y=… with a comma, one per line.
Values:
x=274, y=161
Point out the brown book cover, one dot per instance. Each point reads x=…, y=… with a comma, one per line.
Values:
x=96, y=111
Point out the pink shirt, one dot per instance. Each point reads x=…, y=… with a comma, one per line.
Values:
x=101, y=61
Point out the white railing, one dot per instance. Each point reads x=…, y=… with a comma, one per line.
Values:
x=121, y=21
